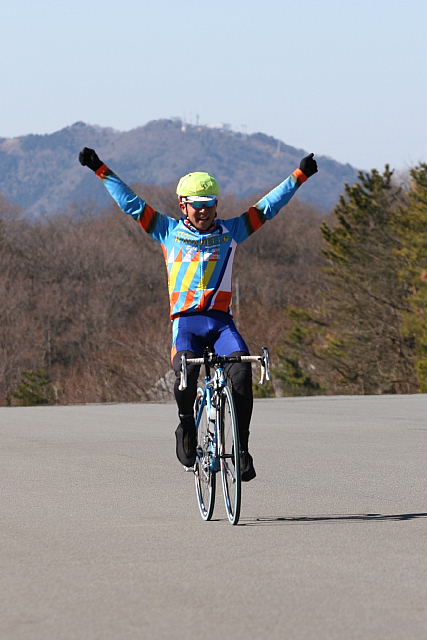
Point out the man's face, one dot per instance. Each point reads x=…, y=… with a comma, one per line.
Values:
x=201, y=216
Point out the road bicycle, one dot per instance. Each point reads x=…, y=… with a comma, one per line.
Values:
x=218, y=448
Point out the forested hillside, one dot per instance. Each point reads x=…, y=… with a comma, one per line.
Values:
x=340, y=300
x=41, y=173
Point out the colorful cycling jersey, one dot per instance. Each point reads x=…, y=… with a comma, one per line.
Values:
x=199, y=264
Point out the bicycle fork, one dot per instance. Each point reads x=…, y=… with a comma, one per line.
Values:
x=210, y=448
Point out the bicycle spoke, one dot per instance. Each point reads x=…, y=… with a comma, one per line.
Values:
x=230, y=462
x=205, y=479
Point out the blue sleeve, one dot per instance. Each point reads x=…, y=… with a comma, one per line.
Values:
x=154, y=223
x=266, y=208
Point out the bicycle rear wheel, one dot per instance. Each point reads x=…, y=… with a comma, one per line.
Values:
x=204, y=476
x=229, y=456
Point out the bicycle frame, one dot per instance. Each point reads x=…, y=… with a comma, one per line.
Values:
x=218, y=448
x=213, y=386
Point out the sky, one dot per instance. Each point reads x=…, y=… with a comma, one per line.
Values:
x=341, y=78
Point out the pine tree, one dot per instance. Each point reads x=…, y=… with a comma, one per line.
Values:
x=35, y=388
x=291, y=369
x=355, y=341
x=411, y=226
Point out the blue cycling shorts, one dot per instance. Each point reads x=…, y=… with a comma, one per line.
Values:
x=214, y=329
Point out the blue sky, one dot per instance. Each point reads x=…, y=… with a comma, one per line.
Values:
x=342, y=78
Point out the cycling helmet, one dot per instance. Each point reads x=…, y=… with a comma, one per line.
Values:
x=198, y=183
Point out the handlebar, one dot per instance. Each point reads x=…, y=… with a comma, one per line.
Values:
x=213, y=359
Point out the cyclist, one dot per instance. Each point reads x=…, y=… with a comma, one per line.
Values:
x=199, y=250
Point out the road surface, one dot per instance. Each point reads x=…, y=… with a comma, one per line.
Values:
x=101, y=536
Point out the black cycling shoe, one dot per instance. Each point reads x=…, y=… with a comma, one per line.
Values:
x=247, y=470
x=186, y=441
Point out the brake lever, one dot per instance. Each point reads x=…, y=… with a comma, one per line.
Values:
x=265, y=366
x=183, y=376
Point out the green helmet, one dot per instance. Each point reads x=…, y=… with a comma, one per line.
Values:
x=198, y=183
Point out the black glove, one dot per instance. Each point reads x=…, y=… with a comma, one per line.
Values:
x=308, y=165
x=88, y=158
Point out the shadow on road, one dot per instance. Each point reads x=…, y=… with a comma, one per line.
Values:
x=362, y=517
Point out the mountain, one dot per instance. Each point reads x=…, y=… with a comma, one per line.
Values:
x=42, y=174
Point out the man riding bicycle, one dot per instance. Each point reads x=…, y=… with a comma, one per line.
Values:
x=199, y=250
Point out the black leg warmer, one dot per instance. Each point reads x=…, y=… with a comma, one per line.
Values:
x=240, y=374
x=185, y=399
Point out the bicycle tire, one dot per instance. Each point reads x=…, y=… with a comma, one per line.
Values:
x=229, y=461
x=204, y=476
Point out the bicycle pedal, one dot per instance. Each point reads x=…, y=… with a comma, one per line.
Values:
x=188, y=469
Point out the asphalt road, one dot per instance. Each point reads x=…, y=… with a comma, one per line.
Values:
x=101, y=537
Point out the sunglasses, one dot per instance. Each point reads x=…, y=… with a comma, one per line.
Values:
x=202, y=204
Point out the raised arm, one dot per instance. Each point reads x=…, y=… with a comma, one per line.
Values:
x=156, y=224
x=270, y=205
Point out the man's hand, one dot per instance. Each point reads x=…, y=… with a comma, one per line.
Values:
x=308, y=165
x=88, y=158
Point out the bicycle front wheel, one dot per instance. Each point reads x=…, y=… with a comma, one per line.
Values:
x=229, y=457
x=204, y=476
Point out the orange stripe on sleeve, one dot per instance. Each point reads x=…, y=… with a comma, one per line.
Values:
x=256, y=220
x=147, y=217
x=300, y=175
x=102, y=171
